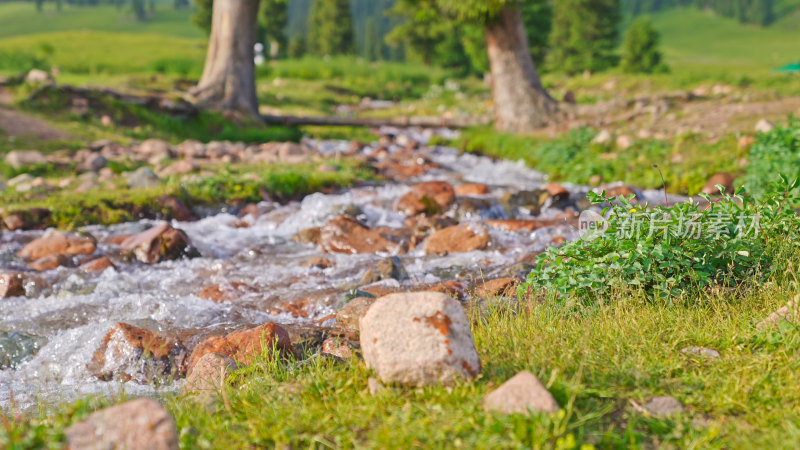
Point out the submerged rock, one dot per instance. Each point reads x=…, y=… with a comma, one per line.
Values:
x=387, y=268
x=17, y=347
x=430, y=197
x=465, y=237
x=418, y=339
x=138, y=424
x=98, y=264
x=128, y=352
x=521, y=394
x=344, y=234
x=159, y=243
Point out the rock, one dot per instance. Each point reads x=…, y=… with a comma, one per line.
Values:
x=337, y=347
x=350, y=315
x=128, y=352
x=472, y=189
x=499, y=287
x=789, y=313
x=418, y=339
x=29, y=219
x=308, y=236
x=181, y=167
x=160, y=243
x=521, y=394
x=94, y=163
x=701, y=351
x=38, y=76
x=430, y=197
x=624, y=142
x=191, y=149
x=245, y=345
x=292, y=153
x=745, y=142
x=375, y=387
x=318, y=262
x=602, y=138
x=106, y=120
x=530, y=201
x=465, y=237
x=142, y=178
x=57, y=244
x=98, y=264
x=386, y=268
x=725, y=179
x=50, y=262
x=663, y=406
x=19, y=179
x=621, y=190
x=17, y=347
x=174, y=208
x=764, y=126
x=154, y=148
x=136, y=425
x=224, y=292
x=344, y=234
x=556, y=191
x=569, y=97
x=11, y=285
x=209, y=374
x=523, y=224
x=23, y=158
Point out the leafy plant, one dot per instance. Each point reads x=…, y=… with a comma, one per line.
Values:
x=671, y=251
x=777, y=151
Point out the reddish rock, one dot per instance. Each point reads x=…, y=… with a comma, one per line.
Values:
x=30, y=219
x=468, y=189
x=349, y=316
x=617, y=191
x=116, y=240
x=11, y=285
x=50, y=262
x=138, y=424
x=556, y=190
x=745, y=142
x=244, y=345
x=451, y=288
x=174, y=208
x=725, y=179
x=58, y=244
x=344, y=234
x=465, y=237
x=558, y=241
x=209, y=374
x=499, y=287
x=98, y=264
x=404, y=171
x=238, y=223
x=297, y=308
x=224, y=292
x=159, y=243
x=429, y=197
x=318, y=262
x=128, y=352
x=523, y=224
x=337, y=347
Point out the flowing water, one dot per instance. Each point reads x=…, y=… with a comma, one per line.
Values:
x=47, y=338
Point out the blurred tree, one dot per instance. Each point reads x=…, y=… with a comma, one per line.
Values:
x=202, y=14
x=181, y=4
x=372, y=41
x=330, y=28
x=139, y=10
x=521, y=103
x=297, y=47
x=640, y=53
x=422, y=30
x=39, y=5
x=273, y=17
x=584, y=35
x=228, y=81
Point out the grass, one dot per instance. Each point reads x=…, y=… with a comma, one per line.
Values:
x=598, y=363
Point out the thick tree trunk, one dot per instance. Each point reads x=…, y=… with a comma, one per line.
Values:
x=520, y=102
x=228, y=81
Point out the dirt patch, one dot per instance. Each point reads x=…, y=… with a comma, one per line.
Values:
x=15, y=123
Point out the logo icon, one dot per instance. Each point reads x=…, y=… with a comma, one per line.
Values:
x=591, y=225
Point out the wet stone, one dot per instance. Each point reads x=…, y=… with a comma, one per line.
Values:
x=387, y=268
x=159, y=243
x=11, y=285
x=17, y=347
x=246, y=344
x=58, y=244
x=458, y=239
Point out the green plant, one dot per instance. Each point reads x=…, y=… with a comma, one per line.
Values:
x=777, y=151
x=640, y=52
x=672, y=251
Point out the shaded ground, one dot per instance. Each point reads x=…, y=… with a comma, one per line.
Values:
x=15, y=123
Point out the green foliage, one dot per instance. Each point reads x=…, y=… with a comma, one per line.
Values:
x=422, y=29
x=202, y=14
x=297, y=47
x=584, y=35
x=330, y=28
x=272, y=18
x=537, y=15
x=774, y=152
x=640, y=52
x=665, y=252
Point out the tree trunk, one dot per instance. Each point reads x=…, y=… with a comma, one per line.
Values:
x=520, y=102
x=228, y=82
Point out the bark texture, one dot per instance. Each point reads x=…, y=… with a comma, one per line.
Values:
x=228, y=81
x=521, y=104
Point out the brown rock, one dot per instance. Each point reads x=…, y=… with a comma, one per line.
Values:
x=11, y=285
x=523, y=224
x=664, y=406
x=58, y=244
x=470, y=189
x=174, y=208
x=50, y=262
x=244, y=345
x=337, y=347
x=344, y=234
x=745, y=142
x=465, y=237
x=128, y=352
x=308, y=236
x=29, y=219
x=556, y=190
x=209, y=374
x=521, y=394
x=789, y=313
x=159, y=243
x=98, y=264
x=181, y=167
x=499, y=287
x=349, y=316
x=621, y=190
x=225, y=292
x=136, y=425
x=318, y=262
x=429, y=197
x=452, y=288
x=725, y=179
